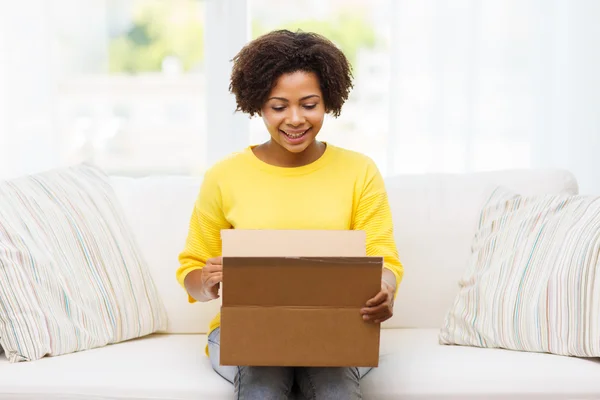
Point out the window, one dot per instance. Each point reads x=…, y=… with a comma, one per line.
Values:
x=133, y=101
x=117, y=83
x=141, y=86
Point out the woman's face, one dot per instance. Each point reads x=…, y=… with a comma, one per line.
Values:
x=294, y=111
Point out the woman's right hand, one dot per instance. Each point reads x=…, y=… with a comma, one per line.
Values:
x=203, y=284
x=211, y=278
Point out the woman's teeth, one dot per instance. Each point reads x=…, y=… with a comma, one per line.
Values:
x=295, y=136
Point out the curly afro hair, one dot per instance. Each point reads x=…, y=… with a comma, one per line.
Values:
x=261, y=62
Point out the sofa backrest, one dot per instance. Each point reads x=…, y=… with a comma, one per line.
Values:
x=434, y=216
x=435, y=219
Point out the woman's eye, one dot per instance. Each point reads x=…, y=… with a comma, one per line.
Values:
x=310, y=106
x=278, y=108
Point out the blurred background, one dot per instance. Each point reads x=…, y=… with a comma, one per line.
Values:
x=140, y=87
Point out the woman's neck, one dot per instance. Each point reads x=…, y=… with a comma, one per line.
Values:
x=274, y=154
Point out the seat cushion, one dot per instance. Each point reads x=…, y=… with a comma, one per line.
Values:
x=413, y=366
x=154, y=367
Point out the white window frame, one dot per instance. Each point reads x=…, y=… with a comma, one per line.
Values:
x=227, y=31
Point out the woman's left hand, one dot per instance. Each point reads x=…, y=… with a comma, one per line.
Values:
x=380, y=307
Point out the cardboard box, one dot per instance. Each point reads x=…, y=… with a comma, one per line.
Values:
x=293, y=298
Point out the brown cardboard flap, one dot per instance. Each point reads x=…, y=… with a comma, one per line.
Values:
x=289, y=336
x=293, y=243
x=283, y=281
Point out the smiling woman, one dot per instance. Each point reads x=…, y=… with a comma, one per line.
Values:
x=291, y=181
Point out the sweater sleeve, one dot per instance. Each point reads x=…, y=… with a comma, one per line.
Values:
x=373, y=215
x=204, y=233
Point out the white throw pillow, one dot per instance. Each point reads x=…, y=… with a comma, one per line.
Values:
x=533, y=282
x=71, y=275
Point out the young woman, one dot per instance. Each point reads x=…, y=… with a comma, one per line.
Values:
x=292, y=181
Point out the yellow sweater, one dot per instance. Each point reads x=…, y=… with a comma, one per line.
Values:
x=341, y=190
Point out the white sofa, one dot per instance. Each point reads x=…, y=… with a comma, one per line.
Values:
x=435, y=217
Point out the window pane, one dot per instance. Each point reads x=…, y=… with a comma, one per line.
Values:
x=361, y=29
x=130, y=90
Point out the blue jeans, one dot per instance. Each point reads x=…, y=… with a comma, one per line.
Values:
x=266, y=383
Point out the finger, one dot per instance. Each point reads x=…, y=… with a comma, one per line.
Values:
x=214, y=279
x=379, y=316
x=383, y=318
x=211, y=279
x=210, y=268
x=215, y=261
x=374, y=310
x=378, y=299
x=381, y=312
x=214, y=291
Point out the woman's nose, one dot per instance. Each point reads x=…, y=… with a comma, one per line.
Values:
x=295, y=118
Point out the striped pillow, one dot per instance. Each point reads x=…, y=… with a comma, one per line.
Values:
x=533, y=282
x=71, y=276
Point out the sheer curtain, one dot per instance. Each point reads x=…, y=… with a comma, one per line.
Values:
x=26, y=93
x=482, y=85
x=446, y=86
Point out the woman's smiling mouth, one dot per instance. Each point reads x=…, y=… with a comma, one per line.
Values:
x=294, y=137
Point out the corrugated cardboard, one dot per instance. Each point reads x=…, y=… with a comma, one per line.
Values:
x=293, y=298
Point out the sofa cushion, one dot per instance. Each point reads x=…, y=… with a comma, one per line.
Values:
x=532, y=281
x=159, y=366
x=72, y=277
x=413, y=366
